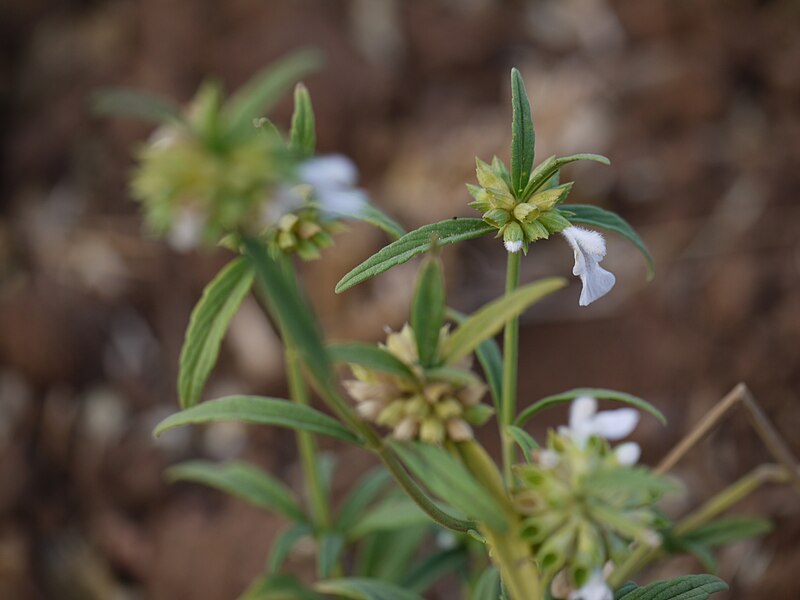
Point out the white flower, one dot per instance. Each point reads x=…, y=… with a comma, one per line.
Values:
x=628, y=453
x=513, y=246
x=333, y=178
x=589, y=248
x=187, y=229
x=585, y=421
x=595, y=589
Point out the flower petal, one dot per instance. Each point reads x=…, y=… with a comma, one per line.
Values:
x=333, y=170
x=581, y=411
x=595, y=589
x=187, y=229
x=628, y=453
x=589, y=249
x=615, y=424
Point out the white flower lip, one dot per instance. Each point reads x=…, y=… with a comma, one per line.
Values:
x=585, y=421
x=595, y=589
x=333, y=178
x=513, y=246
x=589, y=249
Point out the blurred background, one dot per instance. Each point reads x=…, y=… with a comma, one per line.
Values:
x=696, y=103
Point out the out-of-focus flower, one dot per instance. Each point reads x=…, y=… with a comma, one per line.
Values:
x=333, y=179
x=428, y=404
x=585, y=422
x=589, y=248
x=594, y=589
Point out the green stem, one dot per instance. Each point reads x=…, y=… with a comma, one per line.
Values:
x=510, y=353
x=318, y=501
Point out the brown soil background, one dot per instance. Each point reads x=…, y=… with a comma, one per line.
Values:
x=696, y=103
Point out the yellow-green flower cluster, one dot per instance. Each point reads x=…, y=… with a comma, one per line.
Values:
x=582, y=506
x=431, y=405
x=519, y=218
x=199, y=182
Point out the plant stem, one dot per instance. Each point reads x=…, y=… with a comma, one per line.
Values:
x=317, y=498
x=510, y=352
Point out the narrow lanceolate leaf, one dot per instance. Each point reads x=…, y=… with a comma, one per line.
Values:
x=387, y=555
x=451, y=481
x=523, y=439
x=728, y=530
x=370, y=356
x=284, y=543
x=360, y=497
x=489, y=319
x=369, y=213
x=303, y=133
x=290, y=309
x=137, y=105
x=260, y=411
x=586, y=214
x=394, y=512
x=522, y=134
x=432, y=569
x=412, y=244
x=488, y=353
x=331, y=544
x=488, y=585
x=279, y=587
x=543, y=175
x=244, y=481
x=599, y=393
x=358, y=588
x=688, y=587
x=265, y=89
x=427, y=310
x=207, y=326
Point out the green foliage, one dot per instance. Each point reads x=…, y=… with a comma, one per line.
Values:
x=522, y=439
x=284, y=543
x=330, y=546
x=303, y=133
x=369, y=487
x=542, y=176
x=488, y=585
x=427, y=310
x=244, y=481
x=598, y=393
x=490, y=319
x=434, y=567
x=387, y=555
x=449, y=479
x=137, y=105
x=261, y=411
x=369, y=356
x=523, y=137
x=412, y=244
x=393, y=512
x=587, y=214
x=357, y=588
x=688, y=587
x=207, y=326
x=279, y=587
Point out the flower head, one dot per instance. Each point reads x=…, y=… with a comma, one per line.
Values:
x=427, y=404
x=589, y=248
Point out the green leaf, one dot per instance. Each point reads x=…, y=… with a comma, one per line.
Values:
x=394, y=512
x=138, y=105
x=359, y=588
x=427, y=310
x=331, y=545
x=244, y=481
x=283, y=544
x=688, y=587
x=599, y=393
x=370, y=356
x=626, y=587
x=259, y=94
x=523, y=439
x=488, y=353
x=586, y=214
x=290, y=309
x=387, y=555
x=261, y=411
x=361, y=496
x=411, y=244
x=488, y=585
x=369, y=213
x=523, y=137
x=728, y=530
x=449, y=479
x=433, y=568
x=490, y=318
x=207, y=326
x=303, y=134
x=278, y=587
x=542, y=175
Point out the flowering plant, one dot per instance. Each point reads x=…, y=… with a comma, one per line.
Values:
x=572, y=517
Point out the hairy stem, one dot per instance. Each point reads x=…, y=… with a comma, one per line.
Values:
x=306, y=445
x=510, y=351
